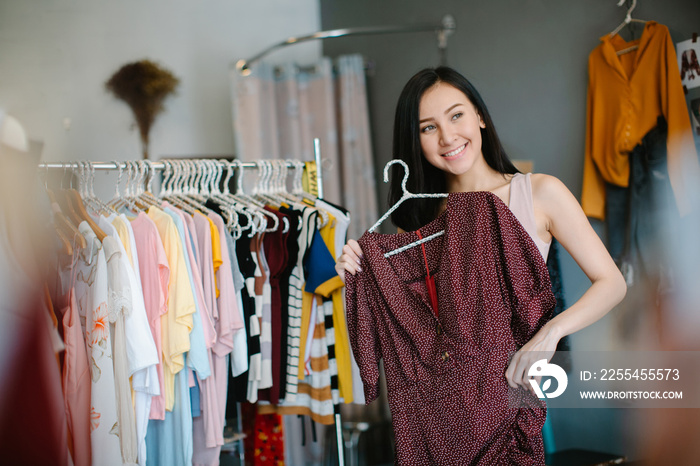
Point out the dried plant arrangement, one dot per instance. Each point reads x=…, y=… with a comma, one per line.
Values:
x=144, y=86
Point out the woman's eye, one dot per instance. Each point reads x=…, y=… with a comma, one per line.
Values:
x=425, y=129
x=457, y=115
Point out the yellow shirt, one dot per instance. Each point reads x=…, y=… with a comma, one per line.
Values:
x=626, y=94
x=176, y=324
x=334, y=289
x=123, y=232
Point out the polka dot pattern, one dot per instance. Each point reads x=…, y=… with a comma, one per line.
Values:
x=447, y=390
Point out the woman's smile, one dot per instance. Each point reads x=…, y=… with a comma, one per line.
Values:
x=454, y=153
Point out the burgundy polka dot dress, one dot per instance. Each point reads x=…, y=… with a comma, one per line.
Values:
x=447, y=390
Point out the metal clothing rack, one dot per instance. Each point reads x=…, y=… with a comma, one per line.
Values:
x=444, y=29
x=161, y=166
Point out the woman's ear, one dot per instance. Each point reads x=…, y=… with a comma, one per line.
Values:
x=481, y=121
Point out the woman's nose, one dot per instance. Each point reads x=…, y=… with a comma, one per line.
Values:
x=447, y=136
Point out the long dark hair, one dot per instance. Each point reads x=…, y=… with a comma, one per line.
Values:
x=424, y=177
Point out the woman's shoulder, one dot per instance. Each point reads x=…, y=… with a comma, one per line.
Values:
x=544, y=185
x=550, y=195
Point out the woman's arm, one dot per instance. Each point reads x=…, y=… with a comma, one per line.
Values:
x=558, y=212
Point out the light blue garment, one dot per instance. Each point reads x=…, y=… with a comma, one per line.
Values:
x=197, y=358
x=195, y=399
x=169, y=442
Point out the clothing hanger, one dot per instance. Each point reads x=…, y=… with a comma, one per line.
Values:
x=191, y=187
x=228, y=204
x=626, y=22
x=82, y=184
x=295, y=198
x=64, y=200
x=106, y=208
x=126, y=201
x=254, y=204
x=261, y=192
x=77, y=207
x=262, y=189
x=241, y=202
x=234, y=204
x=199, y=191
x=273, y=187
x=143, y=193
x=65, y=230
x=174, y=173
x=116, y=201
x=209, y=188
x=305, y=199
x=267, y=173
x=406, y=194
x=280, y=190
x=135, y=183
x=174, y=194
x=87, y=191
x=300, y=197
x=250, y=203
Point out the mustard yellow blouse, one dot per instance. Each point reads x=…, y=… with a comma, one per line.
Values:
x=626, y=94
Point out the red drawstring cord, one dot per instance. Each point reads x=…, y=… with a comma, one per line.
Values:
x=429, y=281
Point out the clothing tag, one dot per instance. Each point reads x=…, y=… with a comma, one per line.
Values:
x=310, y=180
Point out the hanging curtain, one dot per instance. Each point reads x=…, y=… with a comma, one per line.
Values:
x=277, y=111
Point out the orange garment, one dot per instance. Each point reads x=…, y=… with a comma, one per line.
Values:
x=626, y=94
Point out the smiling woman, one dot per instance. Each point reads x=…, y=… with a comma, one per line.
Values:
x=476, y=300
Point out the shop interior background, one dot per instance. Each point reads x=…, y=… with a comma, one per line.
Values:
x=528, y=58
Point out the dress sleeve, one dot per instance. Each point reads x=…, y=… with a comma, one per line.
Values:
x=360, y=293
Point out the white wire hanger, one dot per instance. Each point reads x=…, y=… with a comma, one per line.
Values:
x=627, y=21
x=406, y=194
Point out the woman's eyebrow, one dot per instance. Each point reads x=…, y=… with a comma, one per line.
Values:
x=446, y=112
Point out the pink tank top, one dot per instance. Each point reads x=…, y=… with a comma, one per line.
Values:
x=521, y=205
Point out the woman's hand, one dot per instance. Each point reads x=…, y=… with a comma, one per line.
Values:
x=541, y=346
x=350, y=260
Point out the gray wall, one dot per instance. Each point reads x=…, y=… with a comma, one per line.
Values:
x=55, y=56
x=528, y=58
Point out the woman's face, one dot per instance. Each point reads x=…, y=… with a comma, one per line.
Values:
x=450, y=129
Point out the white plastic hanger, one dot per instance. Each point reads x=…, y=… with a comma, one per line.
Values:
x=254, y=206
x=628, y=20
x=86, y=188
x=406, y=195
x=175, y=170
x=123, y=201
x=229, y=205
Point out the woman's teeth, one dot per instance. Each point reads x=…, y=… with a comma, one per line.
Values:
x=455, y=152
